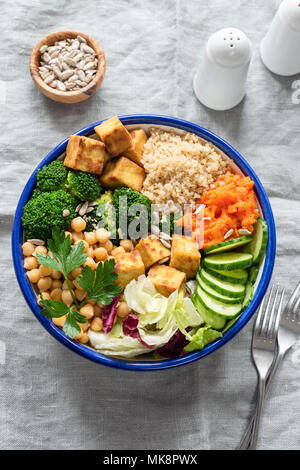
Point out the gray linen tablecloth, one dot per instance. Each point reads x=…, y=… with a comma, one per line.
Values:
x=51, y=398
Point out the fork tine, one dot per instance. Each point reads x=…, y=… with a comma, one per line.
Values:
x=291, y=302
x=276, y=327
x=259, y=317
x=296, y=310
x=273, y=315
x=264, y=328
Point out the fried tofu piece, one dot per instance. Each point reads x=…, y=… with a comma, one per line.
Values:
x=166, y=279
x=129, y=266
x=152, y=250
x=114, y=135
x=135, y=151
x=85, y=154
x=185, y=255
x=123, y=172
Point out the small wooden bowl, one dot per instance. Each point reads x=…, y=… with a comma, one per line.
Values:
x=67, y=96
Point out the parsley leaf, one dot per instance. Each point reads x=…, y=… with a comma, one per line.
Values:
x=66, y=257
x=100, y=285
x=57, y=309
x=71, y=327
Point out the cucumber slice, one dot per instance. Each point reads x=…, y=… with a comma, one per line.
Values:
x=228, y=261
x=253, y=273
x=248, y=295
x=228, y=245
x=222, y=287
x=236, y=276
x=216, y=307
x=259, y=242
x=210, y=318
x=221, y=298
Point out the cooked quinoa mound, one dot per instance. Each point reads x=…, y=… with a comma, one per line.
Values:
x=179, y=167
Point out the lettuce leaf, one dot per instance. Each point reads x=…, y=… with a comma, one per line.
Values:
x=201, y=338
x=186, y=315
x=124, y=346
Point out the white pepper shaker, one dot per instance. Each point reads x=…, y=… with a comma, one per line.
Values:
x=280, y=48
x=220, y=80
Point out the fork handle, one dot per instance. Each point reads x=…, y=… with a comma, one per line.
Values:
x=247, y=436
x=260, y=398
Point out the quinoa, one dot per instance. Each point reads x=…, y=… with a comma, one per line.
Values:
x=179, y=167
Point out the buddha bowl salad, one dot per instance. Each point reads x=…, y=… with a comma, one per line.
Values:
x=141, y=244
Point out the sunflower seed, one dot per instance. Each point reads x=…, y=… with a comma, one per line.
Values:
x=164, y=260
x=206, y=218
x=164, y=236
x=83, y=208
x=79, y=207
x=165, y=243
x=85, y=48
x=228, y=234
x=57, y=71
x=244, y=231
x=70, y=61
x=60, y=85
x=43, y=49
x=46, y=58
x=81, y=75
x=89, y=209
x=66, y=74
x=89, y=66
x=49, y=79
x=81, y=39
x=53, y=84
x=199, y=209
x=70, y=85
x=93, y=204
x=75, y=44
x=36, y=241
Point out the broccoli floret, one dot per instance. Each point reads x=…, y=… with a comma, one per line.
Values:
x=52, y=177
x=84, y=186
x=103, y=212
x=133, y=197
x=167, y=225
x=45, y=211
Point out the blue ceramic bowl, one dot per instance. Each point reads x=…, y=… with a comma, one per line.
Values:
x=262, y=284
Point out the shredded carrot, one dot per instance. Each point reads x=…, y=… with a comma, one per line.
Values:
x=230, y=204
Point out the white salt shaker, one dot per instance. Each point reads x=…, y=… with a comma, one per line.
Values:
x=220, y=80
x=280, y=48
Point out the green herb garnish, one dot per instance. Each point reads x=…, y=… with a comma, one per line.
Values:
x=100, y=285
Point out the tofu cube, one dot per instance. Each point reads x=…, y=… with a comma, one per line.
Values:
x=166, y=279
x=151, y=250
x=185, y=255
x=129, y=266
x=135, y=151
x=123, y=172
x=114, y=135
x=85, y=154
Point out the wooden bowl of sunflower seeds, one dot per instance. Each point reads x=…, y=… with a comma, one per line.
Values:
x=67, y=66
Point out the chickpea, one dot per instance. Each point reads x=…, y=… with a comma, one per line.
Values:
x=86, y=245
x=100, y=254
x=97, y=311
x=33, y=275
x=108, y=246
x=84, y=326
x=56, y=293
x=55, y=274
x=126, y=244
x=79, y=334
x=44, y=284
x=27, y=248
x=92, y=302
x=66, y=297
x=76, y=272
x=123, y=310
x=65, y=287
x=78, y=224
x=90, y=262
x=87, y=310
x=90, y=252
x=46, y=296
x=77, y=236
x=30, y=263
x=56, y=284
x=96, y=324
x=78, y=286
x=80, y=294
x=117, y=251
x=42, y=250
x=69, y=233
x=90, y=237
x=45, y=271
x=84, y=338
x=102, y=235
x=60, y=321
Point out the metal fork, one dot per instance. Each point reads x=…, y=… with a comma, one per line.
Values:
x=263, y=352
x=288, y=333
